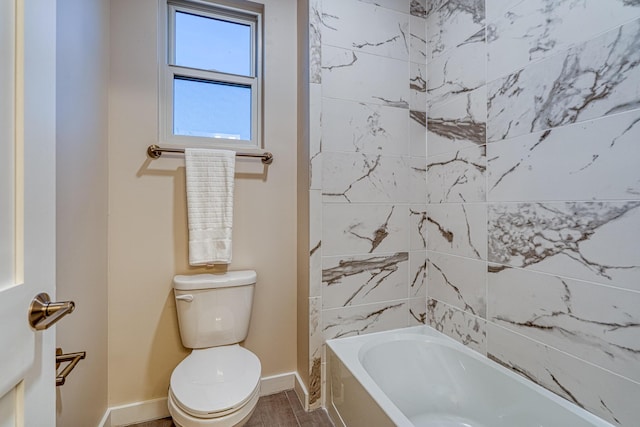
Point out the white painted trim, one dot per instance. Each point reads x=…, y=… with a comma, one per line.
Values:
x=139, y=412
x=106, y=419
x=301, y=392
x=277, y=383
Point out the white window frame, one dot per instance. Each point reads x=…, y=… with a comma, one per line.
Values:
x=168, y=72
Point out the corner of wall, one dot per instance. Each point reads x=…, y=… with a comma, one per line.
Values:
x=302, y=353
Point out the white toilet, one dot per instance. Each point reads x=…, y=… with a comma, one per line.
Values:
x=218, y=384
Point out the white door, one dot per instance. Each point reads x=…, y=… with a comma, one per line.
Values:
x=27, y=209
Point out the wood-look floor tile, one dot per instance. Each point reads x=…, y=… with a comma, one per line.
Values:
x=277, y=410
x=254, y=421
x=317, y=418
x=294, y=402
x=165, y=422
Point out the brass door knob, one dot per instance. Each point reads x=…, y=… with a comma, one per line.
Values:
x=43, y=313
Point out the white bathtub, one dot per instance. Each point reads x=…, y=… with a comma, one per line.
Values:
x=420, y=377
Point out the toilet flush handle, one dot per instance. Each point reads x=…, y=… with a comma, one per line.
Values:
x=187, y=298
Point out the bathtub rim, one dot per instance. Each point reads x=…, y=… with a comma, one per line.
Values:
x=349, y=349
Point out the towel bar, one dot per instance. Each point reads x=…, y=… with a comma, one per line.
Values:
x=155, y=152
x=74, y=358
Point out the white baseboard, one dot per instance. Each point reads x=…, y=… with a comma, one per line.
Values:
x=277, y=383
x=301, y=392
x=106, y=419
x=139, y=412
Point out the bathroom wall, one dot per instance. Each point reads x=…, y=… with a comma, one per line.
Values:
x=534, y=191
x=81, y=204
x=367, y=99
x=302, y=192
x=147, y=210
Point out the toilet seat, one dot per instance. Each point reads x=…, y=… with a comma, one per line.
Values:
x=215, y=382
x=235, y=419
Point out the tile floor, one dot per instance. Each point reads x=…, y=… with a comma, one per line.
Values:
x=278, y=410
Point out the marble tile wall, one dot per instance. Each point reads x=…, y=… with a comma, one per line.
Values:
x=533, y=195
x=368, y=225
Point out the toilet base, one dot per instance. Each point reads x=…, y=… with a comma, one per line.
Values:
x=235, y=419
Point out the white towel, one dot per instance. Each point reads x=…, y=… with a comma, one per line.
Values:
x=209, y=204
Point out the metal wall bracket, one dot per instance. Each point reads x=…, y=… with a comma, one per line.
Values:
x=74, y=358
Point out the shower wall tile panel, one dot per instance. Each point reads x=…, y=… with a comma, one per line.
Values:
x=458, y=124
x=315, y=136
x=456, y=72
x=364, y=279
x=470, y=330
x=364, y=319
x=590, y=80
x=594, y=241
x=458, y=176
x=533, y=191
x=361, y=177
x=417, y=40
x=418, y=8
x=316, y=350
x=417, y=86
x=364, y=228
x=417, y=312
x=531, y=31
x=418, y=274
x=367, y=28
x=418, y=227
x=459, y=282
x=592, y=160
x=612, y=397
x=418, y=99
x=369, y=272
x=350, y=126
x=346, y=74
x=315, y=41
x=458, y=229
x=454, y=24
x=603, y=321
x=315, y=327
x=417, y=133
x=398, y=6
x=497, y=8
x=417, y=176
x=315, y=242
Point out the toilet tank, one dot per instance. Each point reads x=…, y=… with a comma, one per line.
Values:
x=214, y=309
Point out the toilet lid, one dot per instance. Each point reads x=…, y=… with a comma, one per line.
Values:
x=215, y=380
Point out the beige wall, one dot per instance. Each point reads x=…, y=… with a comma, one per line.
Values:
x=81, y=227
x=147, y=218
x=303, y=194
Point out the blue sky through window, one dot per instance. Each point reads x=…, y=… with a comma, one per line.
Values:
x=206, y=108
x=211, y=109
x=212, y=44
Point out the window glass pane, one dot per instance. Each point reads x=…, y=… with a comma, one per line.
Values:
x=211, y=109
x=212, y=44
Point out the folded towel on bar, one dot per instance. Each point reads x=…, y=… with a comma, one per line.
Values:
x=209, y=204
